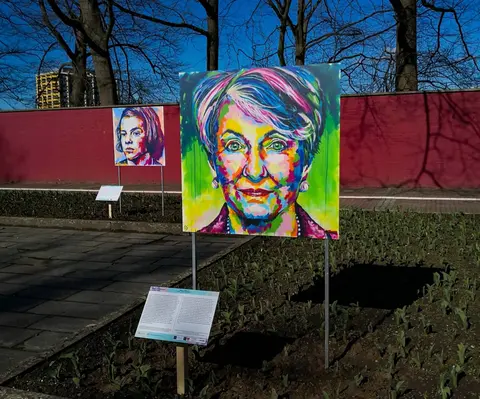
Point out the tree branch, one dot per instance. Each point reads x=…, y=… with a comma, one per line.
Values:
x=332, y=59
x=313, y=8
x=111, y=22
x=161, y=21
x=72, y=22
x=280, y=9
x=450, y=10
x=345, y=27
x=56, y=33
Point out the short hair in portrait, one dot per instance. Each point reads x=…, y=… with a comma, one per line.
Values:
x=139, y=136
x=260, y=151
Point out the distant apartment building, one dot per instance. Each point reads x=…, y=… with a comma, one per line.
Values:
x=53, y=89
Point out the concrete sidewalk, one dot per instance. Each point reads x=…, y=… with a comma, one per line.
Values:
x=58, y=285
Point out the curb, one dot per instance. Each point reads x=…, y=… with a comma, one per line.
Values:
x=10, y=393
x=97, y=225
x=29, y=364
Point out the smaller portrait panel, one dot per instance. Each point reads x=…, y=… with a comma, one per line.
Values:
x=139, y=136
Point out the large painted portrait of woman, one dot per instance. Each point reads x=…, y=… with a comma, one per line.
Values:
x=260, y=151
x=138, y=134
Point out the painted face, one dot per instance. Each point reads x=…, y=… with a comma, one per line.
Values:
x=133, y=137
x=259, y=169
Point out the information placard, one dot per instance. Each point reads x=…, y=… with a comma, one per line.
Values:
x=109, y=193
x=178, y=315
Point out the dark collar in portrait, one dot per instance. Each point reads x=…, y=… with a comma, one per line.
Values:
x=150, y=161
x=307, y=226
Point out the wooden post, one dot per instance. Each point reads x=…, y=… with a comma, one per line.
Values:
x=182, y=369
x=182, y=350
x=109, y=211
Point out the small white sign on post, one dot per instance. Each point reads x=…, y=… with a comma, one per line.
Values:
x=109, y=193
x=178, y=315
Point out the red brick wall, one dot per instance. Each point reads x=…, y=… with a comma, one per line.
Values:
x=425, y=140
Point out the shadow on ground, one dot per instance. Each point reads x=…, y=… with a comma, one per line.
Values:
x=261, y=347
x=372, y=286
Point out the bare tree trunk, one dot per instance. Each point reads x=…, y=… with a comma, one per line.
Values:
x=406, y=74
x=213, y=37
x=299, y=30
x=281, y=45
x=77, y=97
x=92, y=23
x=78, y=57
x=300, y=34
x=282, y=11
x=97, y=36
x=107, y=88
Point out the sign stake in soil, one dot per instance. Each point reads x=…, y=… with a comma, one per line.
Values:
x=327, y=301
x=182, y=351
x=119, y=183
x=163, y=191
x=109, y=194
x=194, y=261
x=182, y=369
x=182, y=316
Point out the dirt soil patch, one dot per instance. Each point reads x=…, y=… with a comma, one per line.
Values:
x=405, y=321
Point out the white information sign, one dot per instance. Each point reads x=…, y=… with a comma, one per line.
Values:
x=109, y=193
x=178, y=315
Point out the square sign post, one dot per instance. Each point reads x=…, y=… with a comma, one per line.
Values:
x=148, y=151
x=293, y=107
x=181, y=316
x=109, y=194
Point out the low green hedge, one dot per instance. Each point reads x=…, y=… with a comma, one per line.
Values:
x=82, y=205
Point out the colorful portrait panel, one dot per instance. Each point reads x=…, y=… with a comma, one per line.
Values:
x=260, y=151
x=139, y=136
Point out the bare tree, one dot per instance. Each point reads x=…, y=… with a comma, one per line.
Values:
x=146, y=61
x=96, y=27
x=144, y=57
x=77, y=55
x=182, y=20
x=28, y=16
x=383, y=45
x=25, y=48
x=312, y=31
x=453, y=56
x=9, y=82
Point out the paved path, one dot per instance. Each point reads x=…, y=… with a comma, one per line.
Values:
x=55, y=283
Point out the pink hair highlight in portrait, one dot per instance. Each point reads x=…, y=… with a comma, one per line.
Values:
x=278, y=83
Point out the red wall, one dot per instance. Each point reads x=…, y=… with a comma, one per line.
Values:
x=76, y=146
x=423, y=140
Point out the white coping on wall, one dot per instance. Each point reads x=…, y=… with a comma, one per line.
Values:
x=377, y=197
